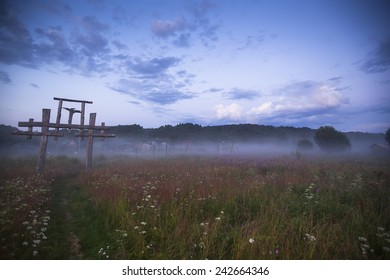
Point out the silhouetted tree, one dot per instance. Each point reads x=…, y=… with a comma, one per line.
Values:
x=387, y=137
x=331, y=140
x=304, y=145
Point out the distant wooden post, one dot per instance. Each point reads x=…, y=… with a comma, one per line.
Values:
x=92, y=120
x=44, y=137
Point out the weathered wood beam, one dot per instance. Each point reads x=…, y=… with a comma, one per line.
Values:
x=30, y=134
x=54, y=125
x=72, y=100
x=92, y=120
x=43, y=143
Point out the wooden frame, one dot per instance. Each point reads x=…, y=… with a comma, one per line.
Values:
x=45, y=124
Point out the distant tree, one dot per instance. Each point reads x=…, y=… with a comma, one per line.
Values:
x=304, y=145
x=387, y=137
x=331, y=140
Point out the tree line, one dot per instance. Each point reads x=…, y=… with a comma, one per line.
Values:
x=327, y=138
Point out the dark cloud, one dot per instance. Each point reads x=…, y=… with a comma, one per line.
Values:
x=237, y=93
x=253, y=41
x=119, y=45
x=208, y=31
x=90, y=37
x=86, y=50
x=183, y=41
x=153, y=67
x=53, y=46
x=5, y=78
x=205, y=23
x=158, y=93
x=16, y=44
x=34, y=85
x=379, y=60
x=167, y=28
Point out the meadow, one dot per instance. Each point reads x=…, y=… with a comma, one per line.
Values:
x=221, y=207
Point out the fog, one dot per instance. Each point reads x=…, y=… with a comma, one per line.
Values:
x=362, y=146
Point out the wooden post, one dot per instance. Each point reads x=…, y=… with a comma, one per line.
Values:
x=58, y=120
x=82, y=117
x=30, y=128
x=44, y=137
x=92, y=120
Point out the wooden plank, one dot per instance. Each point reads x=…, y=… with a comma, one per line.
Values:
x=43, y=143
x=30, y=134
x=92, y=120
x=72, y=100
x=54, y=125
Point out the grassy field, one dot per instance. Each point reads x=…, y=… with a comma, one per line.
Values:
x=196, y=208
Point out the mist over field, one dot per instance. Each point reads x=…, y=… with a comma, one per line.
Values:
x=190, y=140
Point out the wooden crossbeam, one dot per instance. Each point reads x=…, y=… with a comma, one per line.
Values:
x=72, y=100
x=30, y=134
x=54, y=125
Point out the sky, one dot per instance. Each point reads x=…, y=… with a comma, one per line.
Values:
x=210, y=62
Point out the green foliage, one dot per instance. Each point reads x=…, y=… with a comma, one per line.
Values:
x=330, y=140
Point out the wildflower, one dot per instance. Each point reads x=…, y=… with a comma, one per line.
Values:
x=25, y=243
x=35, y=253
x=202, y=224
x=143, y=223
x=37, y=241
x=381, y=229
x=309, y=237
x=386, y=249
x=218, y=219
x=222, y=212
x=362, y=239
x=136, y=227
x=251, y=240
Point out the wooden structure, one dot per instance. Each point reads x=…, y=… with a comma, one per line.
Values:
x=90, y=131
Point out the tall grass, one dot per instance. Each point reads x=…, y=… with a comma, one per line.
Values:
x=25, y=196
x=237, y=208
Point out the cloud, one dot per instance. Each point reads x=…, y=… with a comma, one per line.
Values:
x=90, y=37
x=378, y=61
x=53, y=46
x=119, y=45
x=34, y=85
x=5, y=78
x=237, y=93
x=230, y=112
x=298, y=102
x=183, y=41
x=156, y=92
x=253, y=41
x=301, y=100
x=151, y=68
x=167, y=28
x=16, y=43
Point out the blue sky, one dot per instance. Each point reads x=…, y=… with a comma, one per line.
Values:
x=210, y=62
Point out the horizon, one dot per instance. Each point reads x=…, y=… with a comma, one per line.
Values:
x=196, y=124
x=207, y=62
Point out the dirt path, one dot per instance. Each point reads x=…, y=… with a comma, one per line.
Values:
x=63, y=242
